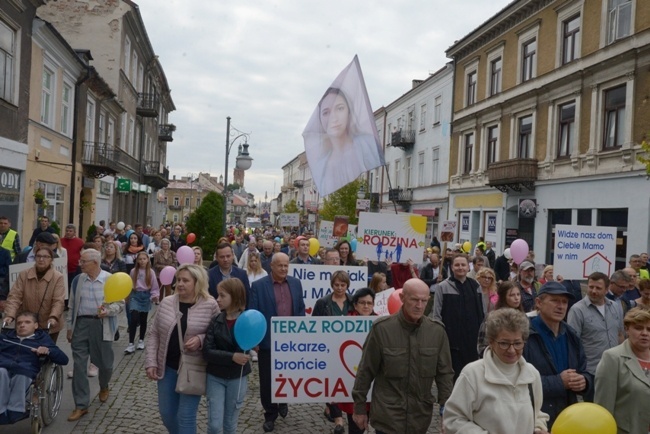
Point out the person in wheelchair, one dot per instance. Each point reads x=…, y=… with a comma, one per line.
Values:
x=20, y=362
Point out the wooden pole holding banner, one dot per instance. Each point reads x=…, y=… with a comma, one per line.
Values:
x=390, y=187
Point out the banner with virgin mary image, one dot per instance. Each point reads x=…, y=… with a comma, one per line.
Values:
x=341, y=140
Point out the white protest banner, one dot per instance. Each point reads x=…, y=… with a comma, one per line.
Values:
x=582, y=250
x=316, y=359
x=60, y=264
x=315, y=280
x=396, y=236
x=289, y=220
x=448, y=231
x=381, y=301
x=325, y=237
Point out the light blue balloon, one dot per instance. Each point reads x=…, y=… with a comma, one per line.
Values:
x=250, y=329
x=353, y=244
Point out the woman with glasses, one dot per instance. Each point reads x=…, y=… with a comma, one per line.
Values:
x=502, y=383
x=336, y=303
x=41, y=290
x=486, y=278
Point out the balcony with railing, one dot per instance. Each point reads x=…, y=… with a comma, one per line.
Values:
x=165, y=132
x=175, y=207
x=100, y=159
x=155, y=176
x=127, y=162
x=403, y=139
x=147, y=105
x=400, y=195
x=513, y=174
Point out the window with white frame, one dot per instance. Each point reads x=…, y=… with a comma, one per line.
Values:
x=177, y=201
x=124, y=131
x=8, y=77
x=66, y=109
x=101, y=128
x=468, y=150
x=127, y=56
x=110, y=132
x=175, y=218
x=492, y=144
x=566, y=129
x=614, y=120
x=131, y=145
x=55, y=200
x=47, y=96
x=409, y=170
x=133, y=74
x=435, y=165
x=90, y=120
x=421, y=169
x=389, y=134
x=411, y=119
x=187, y=202
x=470, y=88
x=570, y=39
x=437, y=110
x=397, y=173
x=423, y=117
x=525, y=132
x=619, y=19
x=496, y=72
x=528, y=60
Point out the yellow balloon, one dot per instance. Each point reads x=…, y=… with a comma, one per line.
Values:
x=117, y=287
x=585, y=417
x=467, y=246
x=314, y=245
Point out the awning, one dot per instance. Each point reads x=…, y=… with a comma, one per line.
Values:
x=432, y=212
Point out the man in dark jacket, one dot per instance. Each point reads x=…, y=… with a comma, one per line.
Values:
x=226, y=270
x=556, y=351
x=20, y=352
x=43, y=226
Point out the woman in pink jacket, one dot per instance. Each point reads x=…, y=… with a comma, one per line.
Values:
x=195, y=307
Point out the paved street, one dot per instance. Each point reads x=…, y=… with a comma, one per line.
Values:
x=132, y=406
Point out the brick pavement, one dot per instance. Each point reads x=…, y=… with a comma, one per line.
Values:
x=132, y=406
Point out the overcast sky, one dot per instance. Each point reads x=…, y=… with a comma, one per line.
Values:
x=266, y=63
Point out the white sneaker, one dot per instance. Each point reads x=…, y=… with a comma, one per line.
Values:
x=93, y=370
x=70, y=374
x=140, y=345
x=130, y=349
x=253, y=356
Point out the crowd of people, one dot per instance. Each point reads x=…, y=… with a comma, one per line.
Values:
x=496, y=338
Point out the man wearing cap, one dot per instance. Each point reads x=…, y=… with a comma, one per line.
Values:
x=527, y=285
x=42, y=240
x=597, y=321
x=555, y=350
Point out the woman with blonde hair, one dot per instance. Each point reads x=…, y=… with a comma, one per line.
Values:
x=378, y=282
x=487, y=279
x=193, y=308
x=254, y=267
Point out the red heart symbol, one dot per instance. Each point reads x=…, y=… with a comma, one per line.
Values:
x=308, y=310
x=344, y=346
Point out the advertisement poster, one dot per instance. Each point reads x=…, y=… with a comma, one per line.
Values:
x=582, y=250
x=448, y=231
x=396, y=236
x=316, y=359
x=315, y=280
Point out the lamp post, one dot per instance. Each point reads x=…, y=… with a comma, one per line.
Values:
x=243, y=162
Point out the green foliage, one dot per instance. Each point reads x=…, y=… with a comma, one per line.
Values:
x=645, y=158
x=232, y=187
x=291, y=207
x=57, y=229
x=90, y=233
x=342, y=202
x=206, y=223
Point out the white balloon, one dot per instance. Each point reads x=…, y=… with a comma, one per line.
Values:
x=121, y=225
x=507, y=254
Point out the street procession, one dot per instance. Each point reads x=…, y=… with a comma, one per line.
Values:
x=426, y=221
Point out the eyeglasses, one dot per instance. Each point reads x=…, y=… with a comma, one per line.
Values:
x=42, y=257
x=519, y=345
x=366, y=303
x=83, y=261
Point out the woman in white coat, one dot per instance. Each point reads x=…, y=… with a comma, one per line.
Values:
x=500, y=393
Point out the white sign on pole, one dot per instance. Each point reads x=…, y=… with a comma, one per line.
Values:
x=315, y=280
x=363, y=204
x=448, y=231
x=582, y=250
x=396, y=236
x=315, y=359
x=381, y=301
x=289, y=220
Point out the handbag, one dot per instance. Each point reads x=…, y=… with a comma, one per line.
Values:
x=192, y=374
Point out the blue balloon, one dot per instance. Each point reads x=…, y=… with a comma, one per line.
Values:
x=27, y=249
x=277, y=239
x=250, y=329
x=353, y=244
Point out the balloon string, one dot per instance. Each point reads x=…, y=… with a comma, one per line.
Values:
x=241, y=376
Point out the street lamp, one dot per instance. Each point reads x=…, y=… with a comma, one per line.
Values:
x=243, y=162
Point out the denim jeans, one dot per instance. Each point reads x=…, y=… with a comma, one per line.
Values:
x=178, y=411
x=225, y=398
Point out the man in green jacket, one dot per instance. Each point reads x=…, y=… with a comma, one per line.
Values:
x=403, y=354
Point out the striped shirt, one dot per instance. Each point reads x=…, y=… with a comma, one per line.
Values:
x=92, y=294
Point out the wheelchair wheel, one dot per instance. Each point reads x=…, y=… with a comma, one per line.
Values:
x=37, y=427
x=52, y=392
